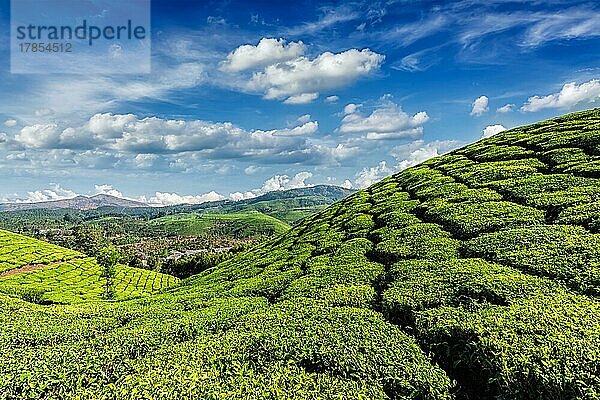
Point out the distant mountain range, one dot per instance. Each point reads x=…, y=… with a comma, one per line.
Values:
x=84, y=203
x=77, y=203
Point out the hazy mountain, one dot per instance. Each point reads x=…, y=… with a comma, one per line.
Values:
x=77, y=203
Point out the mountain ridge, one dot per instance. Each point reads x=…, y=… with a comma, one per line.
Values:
x=82, y=202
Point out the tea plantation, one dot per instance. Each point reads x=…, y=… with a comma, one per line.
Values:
x=474, y=275
x=52, y=274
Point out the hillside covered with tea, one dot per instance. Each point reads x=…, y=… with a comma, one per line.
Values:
x=474, y=275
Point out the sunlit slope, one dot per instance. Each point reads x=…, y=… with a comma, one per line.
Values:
x=41, y=272
x=489, y=257
x=474, y=275
x=236, y=224
x=17, y=251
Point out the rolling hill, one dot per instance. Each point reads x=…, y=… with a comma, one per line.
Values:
x=474, y=275
x=38, y=271
x=235, y=224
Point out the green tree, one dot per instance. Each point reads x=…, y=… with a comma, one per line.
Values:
x=89, y=239
x=108, y=258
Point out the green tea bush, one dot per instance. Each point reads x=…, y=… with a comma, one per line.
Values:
x=481, y=174
x=567, y=253
x=491, y=152
x=541, y=347
x=418, y=285
x=424, y=240
x=472, y=219
x=587, y=215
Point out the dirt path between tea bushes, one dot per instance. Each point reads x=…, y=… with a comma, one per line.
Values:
x=29, y=268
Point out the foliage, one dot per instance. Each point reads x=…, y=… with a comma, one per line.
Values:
x=472, y=275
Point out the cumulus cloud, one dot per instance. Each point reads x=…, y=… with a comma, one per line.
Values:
x=304, y=118
x=284, y=182
x=169, y=143
x=387, y=121
x=570, y=95
x=266, y=52
x=491, y=130
x=9, y=123
x=303, y=98
x=55, y=192
x=275, y=183
x=347, y=184
x=307, y=128
x=108, y=190
x=369, y=175
x=480, y=106
x=407, y=155
x=305, y=77
x=38, y=135
x=414, y=153
x=506, y=108
x=332, y=99
x=170, y=199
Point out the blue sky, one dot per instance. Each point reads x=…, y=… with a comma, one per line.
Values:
x=246, y=98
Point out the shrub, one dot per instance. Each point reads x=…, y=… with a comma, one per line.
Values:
x=472, y=219
x=481, y=174
x=418, y=285
x=587, y=215
x=567, y=253
x=424, y=240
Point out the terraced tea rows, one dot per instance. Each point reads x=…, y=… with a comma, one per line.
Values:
x=17, y=251
x=473, y=275
x=64, y=276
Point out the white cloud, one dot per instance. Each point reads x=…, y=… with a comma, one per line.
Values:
x=304, y=118
x=568, y=24
x=38, y=135
x=407, y=155
x=107, y=190
x=351, y=108
x=165, y=142
x=506, y=108
x=303, y=76
x=331, y=17
x=388, y=121
x=332, y=99
x=238, y=196
x=491, y=130
x=216, y=20
x=43, y=112
x=73, y=97
x=414, y=153
x=252, y=169
x=284, y=182
x=570, y=95
x=305, y=129
x=170, y=199
x=9, y=123
x=303, y=98
x=368, y=176
x=480, y=106
x=56, y=192
x=267, y=52
x=275, y=183
x=347, y=184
